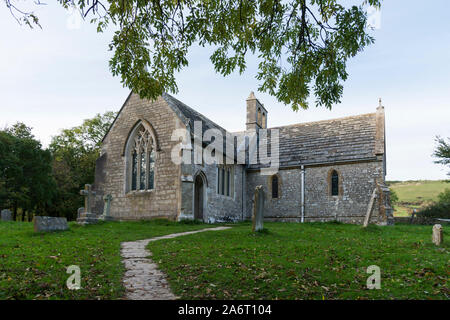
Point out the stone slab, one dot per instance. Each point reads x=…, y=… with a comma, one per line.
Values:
x=49, y=224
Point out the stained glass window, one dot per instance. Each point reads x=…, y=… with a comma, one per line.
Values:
x=151, y=171
x=143, y=167
x=134, y=171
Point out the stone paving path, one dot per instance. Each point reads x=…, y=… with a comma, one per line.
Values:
x=143, y=280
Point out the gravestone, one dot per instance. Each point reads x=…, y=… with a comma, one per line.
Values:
x=6, y=215
x=380, y=195
x=370, y=208
x=80, y=211
x=258, y=209
x=438, y=234
x=107, y=208
x=87, y=217
x=48, y=224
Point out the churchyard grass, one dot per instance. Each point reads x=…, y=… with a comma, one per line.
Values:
x=33, y=265
x=306, y=261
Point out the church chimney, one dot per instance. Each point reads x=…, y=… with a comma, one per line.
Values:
x=256, y=114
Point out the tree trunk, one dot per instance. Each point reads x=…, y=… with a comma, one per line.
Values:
x=15, y=211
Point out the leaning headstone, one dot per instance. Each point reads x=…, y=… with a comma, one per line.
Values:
x=438, y=234
x=370, y=208
x=6, y=215
x=87, y=217
x=107, y=208
x=258, y=209
x=48, y=224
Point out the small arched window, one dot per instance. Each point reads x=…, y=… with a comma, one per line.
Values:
x=263, y=122
x=334, y=183
x=275, y=184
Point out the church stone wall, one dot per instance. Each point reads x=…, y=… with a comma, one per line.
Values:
x=218, y=208
x=284, y=208
x=163, y=200
x=356, y=184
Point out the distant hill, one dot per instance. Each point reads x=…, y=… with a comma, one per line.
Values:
x=416, y=194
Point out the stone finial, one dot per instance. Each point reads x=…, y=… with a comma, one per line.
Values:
x=251, y=96
x=380, y=105
x=438, y=235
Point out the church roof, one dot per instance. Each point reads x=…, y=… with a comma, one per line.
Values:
x=355, y=138
x=337, y=140
x=189, y=115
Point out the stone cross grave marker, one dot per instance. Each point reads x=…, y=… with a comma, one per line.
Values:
x=258, y=209
x=87, y=217
x=88, y=194
x=107, y=207
x=6, y=215
x=438, y=234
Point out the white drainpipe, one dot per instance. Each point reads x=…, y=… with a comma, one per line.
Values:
x=303, y=193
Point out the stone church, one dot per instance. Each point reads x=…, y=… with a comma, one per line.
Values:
x=327, y=170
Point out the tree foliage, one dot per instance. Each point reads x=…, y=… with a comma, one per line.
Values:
x=440, y=208
x=393, y=197
x=74, y=152
x=302, y=45
x=442, y=151
x=26, y=181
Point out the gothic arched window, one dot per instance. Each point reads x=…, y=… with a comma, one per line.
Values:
x=334, y=183
x=141, y=159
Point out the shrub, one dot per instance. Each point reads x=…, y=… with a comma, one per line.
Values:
x=393, y=197
x=440, y=209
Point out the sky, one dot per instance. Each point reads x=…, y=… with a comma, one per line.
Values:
x=56, y=77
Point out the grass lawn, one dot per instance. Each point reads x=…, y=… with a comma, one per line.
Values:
x=416, y=194
x=33, y=266
x=306, y=261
